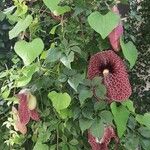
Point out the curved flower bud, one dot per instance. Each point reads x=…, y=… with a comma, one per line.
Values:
x=114, y=36
x=24, y=113
x=27, y=107
x=111, y=68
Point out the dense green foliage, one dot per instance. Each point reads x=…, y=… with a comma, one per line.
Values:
x=45, y=46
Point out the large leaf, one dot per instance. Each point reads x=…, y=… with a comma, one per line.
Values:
x=144, y=120
x=103, y=24
x=60, y=101
x=29, y=51
x=53, y=6
x=130, y=52
x=121, y=115
x=22, y=25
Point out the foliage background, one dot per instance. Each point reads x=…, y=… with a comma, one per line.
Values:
x=73, y=33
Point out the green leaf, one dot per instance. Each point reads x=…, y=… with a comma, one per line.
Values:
x=121, y=116
x=74, y=142
x=96, y=81
x=129, y=105
x=84, y=94
x=144, y=131
x=29, y=51
x=27, y=72
x=130, y=52
x=85, y=124
x=106, y=116
x=145, y=143
x=66, y=60
x=40, y=146
x=53, y=55
x=97, y=128
x=103, y=24
x=144, y=120
x=75, y=80
x=100, y=91
x=22, y=25
x=99, y=105
x=53, y=6
x=60, y=101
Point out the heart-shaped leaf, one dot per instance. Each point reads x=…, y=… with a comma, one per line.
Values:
x=29, y=51
x=60, y=101
x=121, y=115
x=103, y=24
x=130, y=52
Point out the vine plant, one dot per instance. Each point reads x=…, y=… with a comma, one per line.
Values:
x=67, y=86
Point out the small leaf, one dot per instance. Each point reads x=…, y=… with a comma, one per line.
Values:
x=22, y=25
x=85, y=124
x=97, y=128
x=66, y=60
x=40, y=146
x=130, y=52
x=29, y=51
x=103, y=24
x=121, y=116
x=60, y=101
x=144, y=131
x=55, y=8
x=106, y=116
x=100, y=91
x=27, y=72
x=53, y=55
x=129, y=105
x=84, y=94
x=75, y=80
x=144, y=120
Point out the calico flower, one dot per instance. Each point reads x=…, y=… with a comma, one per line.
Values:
x=27, y=107
x=111, y=68
x=115, y=35
x=103, y=143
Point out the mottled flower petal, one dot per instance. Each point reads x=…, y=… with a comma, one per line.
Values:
x=34, y=115
x=21, y=127
x=23, y=110
x=18, y=126
x=114, y=37
x=116, y=81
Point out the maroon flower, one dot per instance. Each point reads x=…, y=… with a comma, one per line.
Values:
x=114, y=36
x=111, y=67
x=24, y=108
x=103, y=143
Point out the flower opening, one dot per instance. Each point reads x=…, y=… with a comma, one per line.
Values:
x=111, y=68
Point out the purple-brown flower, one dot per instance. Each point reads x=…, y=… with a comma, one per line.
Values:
x=103, y=143
x=27, y=107
x=110, y=66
